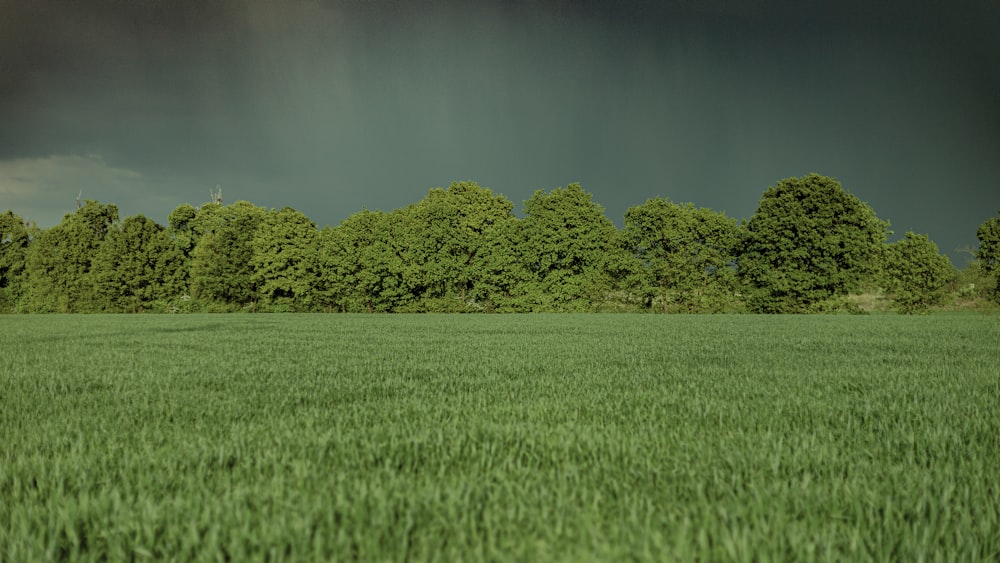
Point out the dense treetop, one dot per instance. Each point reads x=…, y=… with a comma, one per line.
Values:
x=808, y=242
x=811, y=246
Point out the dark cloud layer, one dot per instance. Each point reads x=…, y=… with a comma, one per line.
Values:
x=333, y=106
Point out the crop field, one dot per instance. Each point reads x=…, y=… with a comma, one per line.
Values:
x=520, y=437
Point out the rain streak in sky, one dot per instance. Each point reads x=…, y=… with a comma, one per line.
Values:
x=331, y=107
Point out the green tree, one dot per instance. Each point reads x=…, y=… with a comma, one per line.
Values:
x=917, y=274
x=326, y=294
x=686, y=255
x=284, y=259
x=361, y=264
x=59, y=260
x=810, y=241
x=15, y=237
x=988, y=253
x=569, y=248
x=340, y=263
x=453, y=251
x=221, y=260
x=180, y=227
x=137, y=266
x=444, y=238
x=502, y=280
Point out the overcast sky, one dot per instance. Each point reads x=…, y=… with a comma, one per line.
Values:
x=334, y=106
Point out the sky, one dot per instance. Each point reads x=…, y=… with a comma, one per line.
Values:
x=330, y=107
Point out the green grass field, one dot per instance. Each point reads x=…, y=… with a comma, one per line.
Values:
x=521, y=437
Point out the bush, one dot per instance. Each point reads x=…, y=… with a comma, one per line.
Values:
x=917, y=274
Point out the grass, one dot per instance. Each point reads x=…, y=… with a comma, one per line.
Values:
x=522, y=437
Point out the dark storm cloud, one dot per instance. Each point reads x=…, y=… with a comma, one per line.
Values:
x=332, y=106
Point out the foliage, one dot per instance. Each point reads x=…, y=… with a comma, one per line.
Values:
x=524, y=438
x=810, y=247
x=284, y=259
x=362, y=270
x=503, y=280
x=137, y=266
x=973, y=288
x=181, y=225
x=988, y=253
x=181, y=229
x=568, y=248
x=809, y=242
x=222, y=259
x=685, y=256
x=444, y=237
x=15, y=236
x=59, y=260
x=918, y=275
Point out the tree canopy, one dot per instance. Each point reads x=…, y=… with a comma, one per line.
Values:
x=567, y=247
x=15, y=236
x=917, y=273
x=808, y=247
x=58, y=265
x=222, y=258
x=284, y=260
x=988, y=253
x=808, y=242
x=685, y=255
x=137, y=266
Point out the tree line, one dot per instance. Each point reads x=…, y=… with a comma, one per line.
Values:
x=811, y=246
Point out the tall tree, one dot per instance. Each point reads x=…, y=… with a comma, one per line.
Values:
x=686, y=255
x=988, y=253
x=917, y=273
x=569, y=249
x=808, y=242
x=361, y=264
x=180, y=226
x=59, y=260
x=501, y=279
x=221, y=267
x=284, y=259
x=15, y=236
x=137, y=267
x=444, y=236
